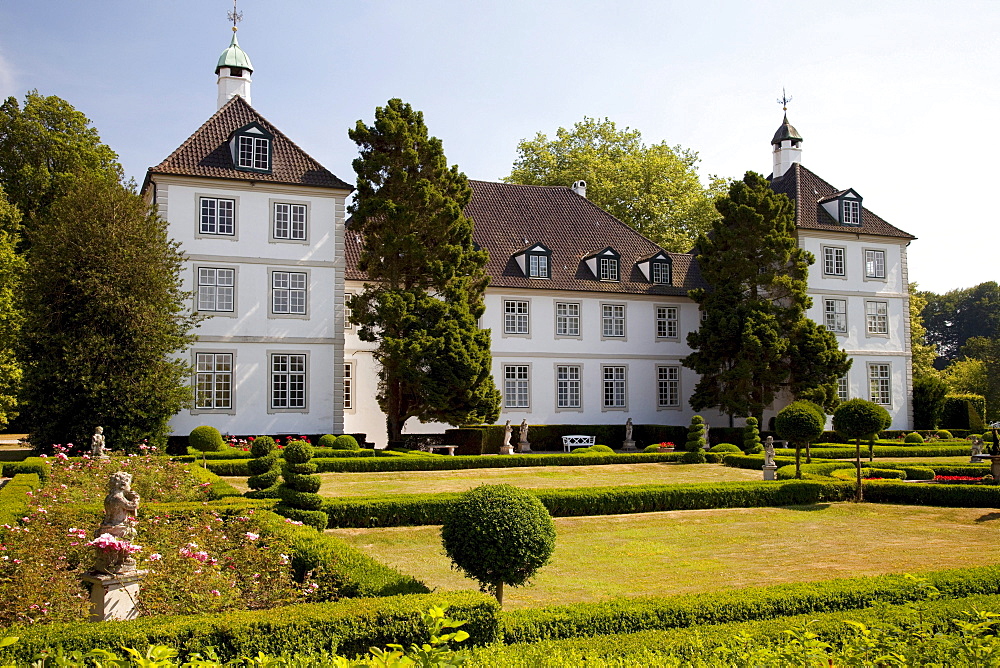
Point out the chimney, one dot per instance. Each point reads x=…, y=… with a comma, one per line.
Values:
x=580, y=188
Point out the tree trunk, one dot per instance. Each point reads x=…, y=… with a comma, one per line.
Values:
x=857, y=455
x=871, y=450
x=500, y=593
x=809, y=456
x=798, y=468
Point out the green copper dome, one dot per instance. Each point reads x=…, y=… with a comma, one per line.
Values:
x=787, y=131
x=234, y=56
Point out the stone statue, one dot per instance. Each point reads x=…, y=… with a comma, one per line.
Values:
x=628, y=429
x=97, y=444
x=112, y=538
x=506, y=434
x=769, y=451
x=977, y=446
x=524, y=431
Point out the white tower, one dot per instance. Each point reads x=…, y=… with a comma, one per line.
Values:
x=786, y=148
x=234, y=70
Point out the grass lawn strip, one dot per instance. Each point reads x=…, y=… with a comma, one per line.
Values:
x=677, y=552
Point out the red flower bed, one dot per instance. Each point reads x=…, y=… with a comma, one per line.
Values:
x=957, y=478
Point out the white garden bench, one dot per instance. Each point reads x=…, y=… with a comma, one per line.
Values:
x=450, y=448
x=577, y=441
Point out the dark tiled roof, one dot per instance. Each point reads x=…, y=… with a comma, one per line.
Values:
x=206, y=153
x=510, y=217
x=807, y=190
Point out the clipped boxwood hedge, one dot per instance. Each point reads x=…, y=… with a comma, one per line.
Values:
x=349, y=627
x=624, y=615
x=36, y=465
x=217, y=488
x=13, y=496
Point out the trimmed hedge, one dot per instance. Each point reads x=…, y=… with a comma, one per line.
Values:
x=963, y=411
x=37, y=465
x=842, y=452
x=624, y=615
x=938, y=494
x=217, y=487
x=13, y=496
x=349, y=627
x=424, y=509
x=548, y=437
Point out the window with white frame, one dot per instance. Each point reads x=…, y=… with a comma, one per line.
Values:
x=614, y=386
x=660, y=272
x=288, y=292
x=515, y=316
x=835, y=315
x=290, y=221
x=609, y=269
x=213, y=381
x=288, y=381
x=613, y=320
x=666, y=322
x=216, y=289
x=347, y=310
x=880, y=384
x=842, y=388
x=877, y=317
x=568, y=386
x=218, y=216
x=852, y=212
x=254, y=153
x=515, y=385
x=567, y=319
x=538, y=265
x=348, y=386
x=874, y=264
x=833, y=261
x=668, y=386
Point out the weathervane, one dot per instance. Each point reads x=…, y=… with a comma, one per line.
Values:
x=785, y=99
x=235, y=16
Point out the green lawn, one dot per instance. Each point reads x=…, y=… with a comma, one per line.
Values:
x=705, y=550
x=534, y=477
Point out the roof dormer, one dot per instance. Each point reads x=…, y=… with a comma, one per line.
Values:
x=844, y=207
x=535, y=261
x=250, y=147
x=605, y=265
x=657, y=268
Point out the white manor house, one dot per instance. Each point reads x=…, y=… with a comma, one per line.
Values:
x=589, y=318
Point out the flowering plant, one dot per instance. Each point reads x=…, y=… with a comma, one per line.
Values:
x=108, y=542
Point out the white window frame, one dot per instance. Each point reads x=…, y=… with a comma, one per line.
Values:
x=880, y=383
x=208, y=290
x=660, y=272
x=539, y=265
x=569, y=387
x=852, y=212
x=291, y=368
x=214, y=379
x=835, y=261
x=609, y=269
x=614, y=386
x=208, y=205
x=289, y=293
x=877, y=318
x=253, y=153
x=843, y=388
x=668, y=386
x=835, y=315
x=347, y=310
x=294, y=217
x=568, y=320
x=875, y=264
x=348, y=386
x=516, y=317
x=613, y=322
x=667, y=322
x=517, y=387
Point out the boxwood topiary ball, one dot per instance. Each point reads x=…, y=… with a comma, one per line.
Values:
x=205, y=439
x=262, y=446
x=298, y=452
x=345, y=442
x=913, y=437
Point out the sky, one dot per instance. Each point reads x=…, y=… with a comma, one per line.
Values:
x=898, y=100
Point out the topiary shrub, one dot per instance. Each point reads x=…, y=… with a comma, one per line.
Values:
x=944, y=434
x=725, y=447
x=264, y=469
x=345, y=442
x=205, y=439
x=694, y=457
x=801, y=423
x=696, y=434
x=751, y=435
x=756, y=450
x=298, y=491
x=913, y=437
x=652, y=448
x=964, y=411
x=326, y=441
x=601, y=449
x=857, y=419
x=497, y=535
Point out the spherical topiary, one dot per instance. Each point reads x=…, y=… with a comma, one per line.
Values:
x=913, y=437
x=326, y=441
x=652, y=448
x=497, y=535
x=857, y=419
x=298, y=452
x=694, y=457
x=601, y=450
x=345, y=442
x=581, y=451
x=696, y=434
x=262, y=446
x=205, y=439
x=751, y=434
x=944, y=434
x=725, y=447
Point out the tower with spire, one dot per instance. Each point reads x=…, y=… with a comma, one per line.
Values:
x=234, y=68
x=786, y=143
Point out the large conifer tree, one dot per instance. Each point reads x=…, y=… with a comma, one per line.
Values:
x=755, y=338
x=427, y=277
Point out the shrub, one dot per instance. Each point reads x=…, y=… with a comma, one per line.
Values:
x=725, y=447
x=694, y=457
x=964, y=411
x=857, y=419
x=264, y=469
x=944, y=434
x=928, y=401
x=497, y=535
x=652, y=448
x=751, y=435
x=326, y=441
x=299, y=500
x=913, y=437
x=696, y=434
x=345, y=442
x=205, y=439
x=756, y=450
x=869, y=473
x=601, y=449
x=800, y=422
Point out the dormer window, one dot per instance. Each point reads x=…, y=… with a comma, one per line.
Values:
x=535, y=261
x=609, y=269
x=657, y=268
x=844, y=207
x=251, y=148
x=538, y=265
x=852, y=212
x=660, y=273
x=605, y=265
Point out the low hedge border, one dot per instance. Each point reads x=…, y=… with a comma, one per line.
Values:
x=36, y=465
x=217, y=487
x=844, y=452
x=228, y=453
x=424, y=509
x=13, y=496
x=349, y=627
x=825, y=470
x=625, y=615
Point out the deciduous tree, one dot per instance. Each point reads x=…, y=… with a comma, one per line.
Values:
x=958, y=315
x=427, y=277
x=654, y=189
x=12, y=268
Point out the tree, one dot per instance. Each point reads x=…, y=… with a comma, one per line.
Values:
x=12, y=268
x=929, y=392
x=978, y=372
x=497, y=535
x=923, y=353
x=857, y=419
x=953, y=318
x=801, y=423
x=755, y=337
x=654, y=189
x=44, y=147
x=427, y=276
x=104, y=320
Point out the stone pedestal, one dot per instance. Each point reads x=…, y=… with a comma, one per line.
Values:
x=506, y=449
x=628, y=445
x=524, y=446
x=113, y=596
x=769, y=472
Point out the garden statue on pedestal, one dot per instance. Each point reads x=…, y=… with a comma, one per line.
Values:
x=977, y=450
x=629, y=444
x=114, y=580
x=769, y=466
x=97, y=444
x=992, y=454
x=523, y=445
x=506, y=448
